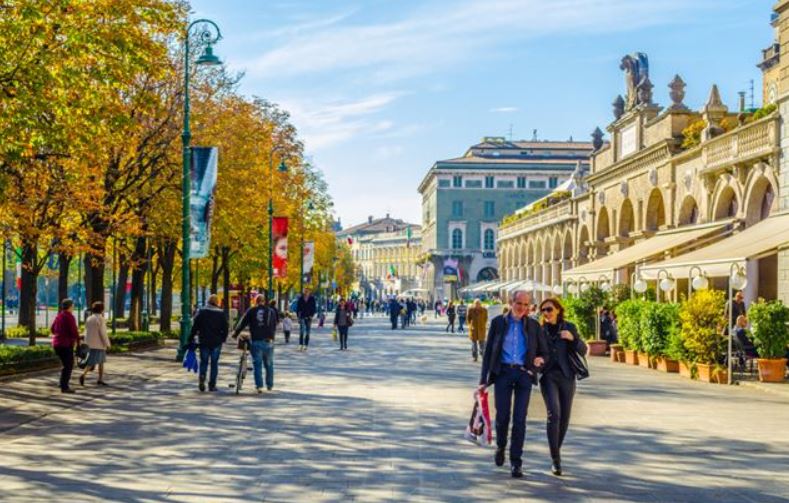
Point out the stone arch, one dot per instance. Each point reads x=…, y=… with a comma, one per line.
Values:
x=538, y=261
x=583, y=245
x=603, y=225
x=688, y=211
x=655, y=216
x=547, y=271
x=727, y=200
x=627, y=219
x=567, y=251
x=531, y=263
x=760, y=194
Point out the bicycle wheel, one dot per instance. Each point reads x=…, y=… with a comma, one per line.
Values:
x=242, y=370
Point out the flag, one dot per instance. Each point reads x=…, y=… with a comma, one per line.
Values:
x=308, y=258
x=279, y=232
x=408, y=237
x=201, y=199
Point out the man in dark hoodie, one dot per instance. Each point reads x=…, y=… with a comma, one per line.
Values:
x=210, y=327
x=262, y=322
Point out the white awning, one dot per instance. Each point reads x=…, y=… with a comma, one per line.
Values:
x=651, y=248
x=757, y=241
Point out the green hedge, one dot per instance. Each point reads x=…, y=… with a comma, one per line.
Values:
x=11, y=355
x=582, y=310
x=702, y=324
x=657, y=323
x=21, y=332
x=121, y=341
x=628, y=320
x=770, y=332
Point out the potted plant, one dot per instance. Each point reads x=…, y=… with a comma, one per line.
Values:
x=657, y=322
x=702, y=322
x=628, y=315
x=583, y=312
x=770, y=336
x=617, y=353
x=674, y=352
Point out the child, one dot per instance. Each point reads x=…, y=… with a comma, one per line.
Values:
x=287, y=326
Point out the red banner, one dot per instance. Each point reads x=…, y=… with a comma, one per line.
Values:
x=279, y=232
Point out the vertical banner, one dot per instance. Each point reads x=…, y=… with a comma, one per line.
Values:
x=279, y=234
x=451, y=274
x=201, y=201
x=308, y=260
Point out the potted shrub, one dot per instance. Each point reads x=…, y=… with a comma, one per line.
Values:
x=702, y=322
x=770, y=336
x=628, y=316
x=617, y=353
x=582, y=310
x=657, y=322
x=674, y=352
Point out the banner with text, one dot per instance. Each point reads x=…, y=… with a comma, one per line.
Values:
x=201, y=199
x=450, y=270
x=308, y=258
x=279, y=232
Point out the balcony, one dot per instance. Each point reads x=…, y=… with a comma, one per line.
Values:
x=533, y=221
x=746, y=143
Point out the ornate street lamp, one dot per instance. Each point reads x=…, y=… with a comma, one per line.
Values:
x=208, y=35
x=697, y=282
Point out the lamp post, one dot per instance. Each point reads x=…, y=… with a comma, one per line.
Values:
x=666, y=284
x=206, y=37
x=697, y=282
x=283, y=168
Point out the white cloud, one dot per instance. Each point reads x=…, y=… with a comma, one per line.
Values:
x=504, y=110
x=437, y=36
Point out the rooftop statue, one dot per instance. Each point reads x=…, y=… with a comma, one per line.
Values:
x=636, y=68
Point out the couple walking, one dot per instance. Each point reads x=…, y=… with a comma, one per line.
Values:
x=518, y=349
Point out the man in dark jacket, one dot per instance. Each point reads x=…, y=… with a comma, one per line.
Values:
x=394, y=311
x=305, y=311
x=514, y=352
x=262, y=322
x=210, y=327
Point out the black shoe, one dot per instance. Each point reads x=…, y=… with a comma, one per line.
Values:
x=517, y=472
x=101, y=383
x=82, y=380
x=201, y=386
x=67, y=390
x=499, y=457
x=556, y=469
x=211, y=388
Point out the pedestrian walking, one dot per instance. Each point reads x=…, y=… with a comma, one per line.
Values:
x=305, y=311
x=98, y=343
x=558, y=375
x=462, y=311
x=287, y=326
x=209, y=332
x=343, y=320
x=394, y=312
x=65, y=335
x=451, y=317
x=477, y=328
x=262, y=323
x=514, y=351
x=437, y=309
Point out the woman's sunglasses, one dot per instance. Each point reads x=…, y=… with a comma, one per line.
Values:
x=547, y=309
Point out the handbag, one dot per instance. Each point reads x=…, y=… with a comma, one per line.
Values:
x=83, y=350
x=334, y=334
x=577, y=362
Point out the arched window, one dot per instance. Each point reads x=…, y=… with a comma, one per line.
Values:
x=490, y=240
x=457, y=239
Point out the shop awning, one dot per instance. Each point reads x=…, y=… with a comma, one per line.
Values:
x=715, y=260
x=651, y=248
x=477, y=287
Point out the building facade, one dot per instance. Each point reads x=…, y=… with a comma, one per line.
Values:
x=386, y=254
x=663, y=200
x=464, y=199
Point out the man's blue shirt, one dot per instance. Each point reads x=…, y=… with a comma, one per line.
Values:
x=514, y=350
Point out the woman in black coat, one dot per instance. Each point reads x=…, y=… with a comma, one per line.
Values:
x=451, y=317
x=558, y=375
x=343, y=319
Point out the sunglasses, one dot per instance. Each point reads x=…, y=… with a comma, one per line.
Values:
x=547, y=309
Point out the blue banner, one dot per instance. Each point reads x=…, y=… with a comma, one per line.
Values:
x=201, y=202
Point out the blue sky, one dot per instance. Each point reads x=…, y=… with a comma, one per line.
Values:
x=380, y=89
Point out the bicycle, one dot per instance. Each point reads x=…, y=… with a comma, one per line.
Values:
x=241, y=373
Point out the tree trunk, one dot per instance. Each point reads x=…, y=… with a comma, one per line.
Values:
x=120, y=285
x=94, y=278
x=226, y=280
x=215, y=271
x=28, y=292
x=139, y=263
x=64, y=264
x=152, y=290
x=167, y=261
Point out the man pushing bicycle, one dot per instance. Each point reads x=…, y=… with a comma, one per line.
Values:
x=262, y=323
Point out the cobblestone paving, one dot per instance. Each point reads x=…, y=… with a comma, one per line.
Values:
x=380, y=422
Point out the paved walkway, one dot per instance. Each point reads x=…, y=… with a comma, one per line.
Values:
x=381, y=422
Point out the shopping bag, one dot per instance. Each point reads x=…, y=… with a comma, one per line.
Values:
x=190, y=361
x=83, y=350
x=478, y=429
x=334, y=334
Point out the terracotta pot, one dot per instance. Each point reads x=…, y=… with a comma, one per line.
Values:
x=666, y=365
x=709, y=373
x=597, y=348
x=617, y=353
x=771, y=369
x=643, y=360
x=686, y=370
x=631, y=357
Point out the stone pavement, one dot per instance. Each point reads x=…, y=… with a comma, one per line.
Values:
x=380, y=422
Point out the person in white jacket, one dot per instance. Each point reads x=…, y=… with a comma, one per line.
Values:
x=98, y=341
x=287, y=326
